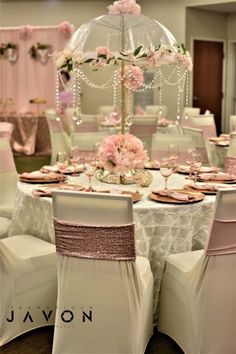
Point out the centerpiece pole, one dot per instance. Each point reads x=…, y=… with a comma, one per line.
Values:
x=123, y=91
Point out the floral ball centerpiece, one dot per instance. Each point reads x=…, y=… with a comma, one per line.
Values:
x=121, y=154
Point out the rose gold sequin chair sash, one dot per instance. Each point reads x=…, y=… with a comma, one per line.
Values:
x=115, y=243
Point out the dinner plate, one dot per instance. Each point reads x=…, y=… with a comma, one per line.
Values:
x=151, y=166
x=231, y=181
x=162, y=199
x=184, y=169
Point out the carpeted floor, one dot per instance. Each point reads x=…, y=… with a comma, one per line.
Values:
x=40, y=342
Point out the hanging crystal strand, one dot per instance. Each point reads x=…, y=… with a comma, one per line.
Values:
x=160, y=97
x=186, y=93
x=115, y=90
x=78, y=94
x=178, y=96
x=57, y=98
x=129, y=118
x=74, y=89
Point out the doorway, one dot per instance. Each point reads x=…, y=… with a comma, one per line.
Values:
x=208, y=78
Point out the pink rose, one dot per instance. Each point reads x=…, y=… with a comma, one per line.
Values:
x=103, y=51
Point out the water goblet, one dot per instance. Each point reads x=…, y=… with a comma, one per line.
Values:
x=173, y=155
x=90, y=172
x=166, y=169
x=62, y=163
x=74, y=157
x=197, y=164
x=190, y=161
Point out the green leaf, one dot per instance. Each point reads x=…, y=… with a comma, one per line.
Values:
x=137, y=50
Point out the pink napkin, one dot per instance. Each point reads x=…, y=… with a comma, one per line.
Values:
x=38, y=174
x=216, y=177
x=206, y=186
x=47, y=192
x=174, y=195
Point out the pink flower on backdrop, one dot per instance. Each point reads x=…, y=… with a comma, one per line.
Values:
x=122, y=7
x=66, y=29
x=121, y=153
x=26, y=32
x=185, y=60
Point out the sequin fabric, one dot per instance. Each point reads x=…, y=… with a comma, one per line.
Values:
x=115, y=243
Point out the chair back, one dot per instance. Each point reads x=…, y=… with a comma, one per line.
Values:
x=232, y=145
x=87, y=141
x=106, y=109
x=158, y=110
x=59, y=139
x=232, y=123
x=222, y=235
x=144, y=127
x=8, y=173
x=200, y=143
x=6, y=130
x=206, y=123
x=189, y=112
x=89, y=124
x=161, y=144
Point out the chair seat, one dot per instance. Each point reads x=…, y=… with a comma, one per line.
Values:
x=26, y=246
x=6, y=210
x=4, y=226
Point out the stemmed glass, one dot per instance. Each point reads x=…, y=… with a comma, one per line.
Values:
x=62, y=163
x=137, y=176
x=173, y=154
x=166, y=169
x=74, y=157
x=194, y=161
x=197, y=164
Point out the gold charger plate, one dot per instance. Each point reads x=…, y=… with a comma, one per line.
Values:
x=185, y=170
x=42, y=180
x=162, y=199
x=231, y=181
x=204, y=191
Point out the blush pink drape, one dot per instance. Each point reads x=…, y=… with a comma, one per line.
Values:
x=27, y=78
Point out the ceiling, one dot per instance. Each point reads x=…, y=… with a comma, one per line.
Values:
x=229, y=7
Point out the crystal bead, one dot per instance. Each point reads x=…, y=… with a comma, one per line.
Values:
x=129, y=121
x=79, y=120
x=58, y=119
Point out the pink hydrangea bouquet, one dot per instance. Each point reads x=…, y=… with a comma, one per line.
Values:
x=122, y=153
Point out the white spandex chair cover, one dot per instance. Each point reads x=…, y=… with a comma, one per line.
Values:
x=144, y=127
x=87, y=142
x=158, y=110
x=197, y=305
x=59, y=139
x=206, y=123
x=161, y=144
x=232, y=123
x=90, y=278
x=89, y=124
x=230, y=158
x=28, y=285
x=6, y=130
x=189, y=112
x=8, y=180
x=200, y=143
x=106, y=109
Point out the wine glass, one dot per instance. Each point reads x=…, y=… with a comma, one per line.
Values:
x=62, y=163
x=137, y=176
x=166, y=169
x=190, y=161
x=197, y=164
x=173, y=154
x=74, y=157
x=90, y=172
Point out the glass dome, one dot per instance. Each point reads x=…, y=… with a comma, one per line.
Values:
x=120, y=33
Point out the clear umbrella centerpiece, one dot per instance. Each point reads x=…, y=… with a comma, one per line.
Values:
x=131, y=43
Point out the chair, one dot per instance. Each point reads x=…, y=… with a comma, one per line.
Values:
x=144, y=127
x=206, y=123
x=161, y=144
x=86, y=142
x=200, y=143
x=230, y=158
x=8, y=180
x=197, y=303
x=158, y=110
x=6, y=130
x=109, y=288
x=189, y=112
x=28, y=285
x=106, y=109
x=89, y=124
x=59, y=139
x=232, y=123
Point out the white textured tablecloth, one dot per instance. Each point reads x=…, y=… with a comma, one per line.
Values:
x=161, y=229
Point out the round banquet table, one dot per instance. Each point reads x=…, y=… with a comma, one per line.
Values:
x=160, y=229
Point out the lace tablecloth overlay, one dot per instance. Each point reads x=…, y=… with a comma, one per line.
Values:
x=161, y=229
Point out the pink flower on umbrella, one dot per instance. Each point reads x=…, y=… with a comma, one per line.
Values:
x=133, y=77
x=66, y=29
x=122, y=153
x=123, y=7
x=103, y=51
x=26, y=32
x=185, y=60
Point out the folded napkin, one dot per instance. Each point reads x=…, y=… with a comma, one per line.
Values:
x=217, y=177
x=174, y=195
x=47, y=192
x=39, y=175
x=204, y=186
x=49, y=168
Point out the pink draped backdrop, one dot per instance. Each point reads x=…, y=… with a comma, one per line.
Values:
x=27, y=78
